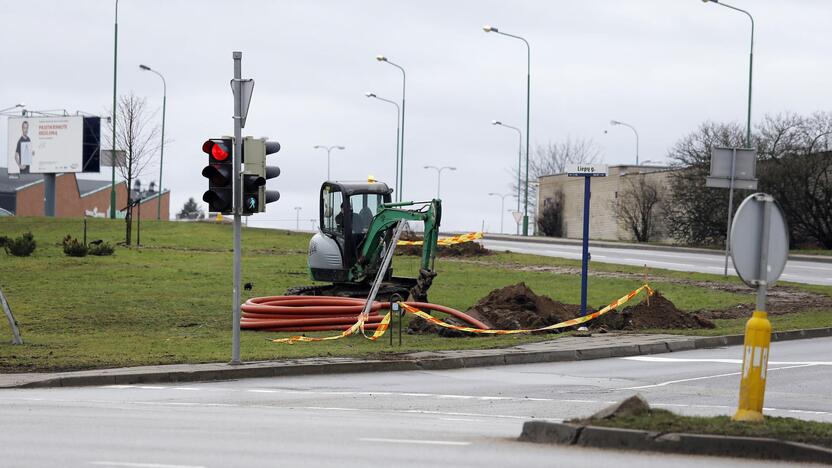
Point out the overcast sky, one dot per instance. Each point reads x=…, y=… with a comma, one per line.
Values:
x=663, y=66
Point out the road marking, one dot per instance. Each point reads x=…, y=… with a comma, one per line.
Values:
x=413, y=441
x=143, y=465
x=671, y=382
x=723, y=361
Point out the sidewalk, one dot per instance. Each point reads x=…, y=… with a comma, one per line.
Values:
x=568, y=348
x=636, y=246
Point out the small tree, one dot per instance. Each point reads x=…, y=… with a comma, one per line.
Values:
x=191, y=210
x=138, y=137
x=637, y=206
x=550, y=222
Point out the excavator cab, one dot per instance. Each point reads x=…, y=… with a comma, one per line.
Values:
x=347, y=210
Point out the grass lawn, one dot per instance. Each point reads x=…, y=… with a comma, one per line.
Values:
x=170, y=300
x=791, y=429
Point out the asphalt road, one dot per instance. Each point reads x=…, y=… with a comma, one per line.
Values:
x=466, y=417
x=796, y=271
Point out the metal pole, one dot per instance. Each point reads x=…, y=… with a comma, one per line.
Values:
x=115, y=77
x=519, y=173
x=7, y=310
x=238, y=203
x=401, y=146
x=162, y=151
x=528, y=113
x=49, y=195
x=439, y=183
x=328, y=150
x=762, y=285
x=585, y=246
x=730, y=209
x=502, y=212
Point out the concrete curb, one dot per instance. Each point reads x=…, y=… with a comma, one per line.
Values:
x=626, y=245
x=439, y=360
x=688, y=444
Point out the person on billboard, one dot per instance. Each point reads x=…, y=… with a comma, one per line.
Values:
x=23, y=152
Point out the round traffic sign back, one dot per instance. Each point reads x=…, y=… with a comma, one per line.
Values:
x=747, y=239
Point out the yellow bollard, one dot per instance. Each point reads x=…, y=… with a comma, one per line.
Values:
x=754, y=368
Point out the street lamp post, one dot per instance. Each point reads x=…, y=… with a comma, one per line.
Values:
x=398, y=120
x=382, y=58
x=297, y=218
x=439, y=176
x=502, y=206
x=162, y=151
x=519, y=161
x=328, y=151
x=115, y=79
x=528, y=109
x=616, y=122
x=750, y=67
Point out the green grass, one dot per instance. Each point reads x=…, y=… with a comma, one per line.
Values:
x=170, y=300
x=790, y=429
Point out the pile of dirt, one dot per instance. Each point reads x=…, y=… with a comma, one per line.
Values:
x=660, y=313
x=465, y=249
x=514, y=307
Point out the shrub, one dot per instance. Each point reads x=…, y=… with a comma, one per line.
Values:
x=73, y=248
x=22, y=246
x=100, y=249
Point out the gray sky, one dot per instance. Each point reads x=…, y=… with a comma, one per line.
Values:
x=663, y=66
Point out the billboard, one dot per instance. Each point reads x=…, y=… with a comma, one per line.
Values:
x=43, y=145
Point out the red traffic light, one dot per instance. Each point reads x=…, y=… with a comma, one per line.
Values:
x=217, y=149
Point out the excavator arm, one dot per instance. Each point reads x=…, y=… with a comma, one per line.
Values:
x=389, y=214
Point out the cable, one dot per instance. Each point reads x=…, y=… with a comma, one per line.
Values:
x=322, y=313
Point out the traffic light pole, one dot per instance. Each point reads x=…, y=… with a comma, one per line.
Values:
x=237, y=204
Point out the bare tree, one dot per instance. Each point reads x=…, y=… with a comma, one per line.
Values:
x=138, y=136
x=552, y=158
x=637, y=206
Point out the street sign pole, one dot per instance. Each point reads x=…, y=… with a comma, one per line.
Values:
x=730, y=208
x=585, y=248
x=587, y=171
x=759, y=256
x=237, y=204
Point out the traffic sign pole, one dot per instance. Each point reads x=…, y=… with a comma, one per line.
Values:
x=761, y=223
x=237, y=205
x=585, y=248
x=730, y=208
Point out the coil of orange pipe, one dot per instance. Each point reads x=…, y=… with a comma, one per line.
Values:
x=324, y=313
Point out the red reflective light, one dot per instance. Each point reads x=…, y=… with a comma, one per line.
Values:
x=219, y=153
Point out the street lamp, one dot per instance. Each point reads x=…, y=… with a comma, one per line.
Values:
x=115, y=80
x=400, y=175
x=519, y=160
x=398, y=120
x=439, y=176
x=493, y=29
x=616, y=122
x=16, y=106
x=162, y=153
x=297, y=218
x=750, y=67
x=502, y=206
x=328, y=151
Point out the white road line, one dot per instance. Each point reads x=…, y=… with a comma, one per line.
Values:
x=723, y=361
x=671, y=382
x=413, y=441
x=142, y=465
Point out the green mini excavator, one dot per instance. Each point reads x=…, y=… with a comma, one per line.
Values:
x=355, y=232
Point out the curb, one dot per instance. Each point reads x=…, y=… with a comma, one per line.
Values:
x=682, y=443
x=439, y=360
x=624, y=245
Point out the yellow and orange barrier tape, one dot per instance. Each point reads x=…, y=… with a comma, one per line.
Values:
x=385, y=322
x=462, y=238
x=568, y=323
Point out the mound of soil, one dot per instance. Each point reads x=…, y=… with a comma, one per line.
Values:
x=661, y=313
x=466, y=249
x=514, y=307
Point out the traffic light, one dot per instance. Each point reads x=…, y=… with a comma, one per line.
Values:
x=220, y=174
x=255, y=195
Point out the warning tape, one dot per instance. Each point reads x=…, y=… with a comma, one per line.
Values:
x=385, y=322
x=567, y=323
x=460, y=239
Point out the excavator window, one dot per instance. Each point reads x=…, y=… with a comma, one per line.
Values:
x=333, y=221
x=364, y=208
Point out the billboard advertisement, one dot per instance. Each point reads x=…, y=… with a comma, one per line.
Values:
x=39, y=145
